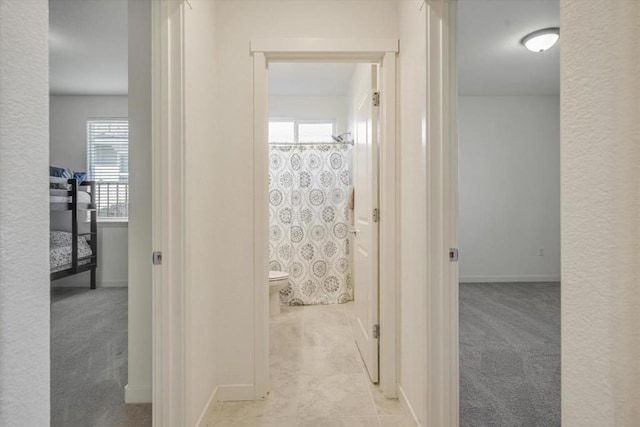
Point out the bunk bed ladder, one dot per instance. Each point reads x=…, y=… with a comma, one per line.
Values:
x=94, y=234
x=74, y=225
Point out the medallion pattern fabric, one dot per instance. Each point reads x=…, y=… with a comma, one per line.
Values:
x=308, y=217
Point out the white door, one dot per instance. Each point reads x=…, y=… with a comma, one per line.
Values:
x=365, y=161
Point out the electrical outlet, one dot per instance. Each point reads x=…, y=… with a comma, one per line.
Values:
x=541, y=252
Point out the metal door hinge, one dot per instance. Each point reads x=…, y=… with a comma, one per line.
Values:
x=376, y=215
x=156, y=258
x=376, y=331
x=453, y=254
x=376, y=99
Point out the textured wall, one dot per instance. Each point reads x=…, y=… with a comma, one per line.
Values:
x=24, y=213
x=600, y=157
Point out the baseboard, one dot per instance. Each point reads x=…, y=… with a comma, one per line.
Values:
x=502, y=279
x=232, y=392
x=408, y=409
x=137, y=394
x=61, y=283
x=210, y=409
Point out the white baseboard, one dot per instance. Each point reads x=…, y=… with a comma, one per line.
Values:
x=408, y=409
x=137, y=394
x=501, y=279
x=209, y=410
x=62, y=283
x=232, y=392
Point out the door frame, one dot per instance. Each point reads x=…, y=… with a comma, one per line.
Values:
x=168, y=295
x=383, y=51
x=442, y=357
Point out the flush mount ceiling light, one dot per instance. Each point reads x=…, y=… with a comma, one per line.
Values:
x=541, y=40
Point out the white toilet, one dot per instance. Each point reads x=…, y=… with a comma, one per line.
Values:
x=278, y=280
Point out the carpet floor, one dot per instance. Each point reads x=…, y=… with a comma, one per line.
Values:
x=89, y=359
x=509, y=354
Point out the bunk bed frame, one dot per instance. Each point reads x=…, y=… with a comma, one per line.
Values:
x=73, y=206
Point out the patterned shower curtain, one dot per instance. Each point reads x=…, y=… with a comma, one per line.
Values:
x=308, y=191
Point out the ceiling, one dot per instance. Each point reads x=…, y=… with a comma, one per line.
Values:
x=310, y=79
x=88, y=47
x=88, y=52
x=491, y=60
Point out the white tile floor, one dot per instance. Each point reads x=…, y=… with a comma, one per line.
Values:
x=317, y=378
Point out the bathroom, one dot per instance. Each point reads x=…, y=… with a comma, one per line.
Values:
x=322, y=135
x=311, y=190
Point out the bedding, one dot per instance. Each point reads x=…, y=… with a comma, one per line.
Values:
x=58, y=177
x=83, y=197
x=60, y=251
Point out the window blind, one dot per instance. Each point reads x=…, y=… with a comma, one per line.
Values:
x=108, y=166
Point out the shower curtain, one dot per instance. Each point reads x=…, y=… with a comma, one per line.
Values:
x=308, y=191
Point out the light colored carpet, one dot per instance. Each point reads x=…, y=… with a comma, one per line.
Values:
x=89, y=359
x=509, y=354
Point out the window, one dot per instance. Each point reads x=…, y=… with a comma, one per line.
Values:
x=292, y=131
x=281, y=131
x=315, y=132
x=108, y=166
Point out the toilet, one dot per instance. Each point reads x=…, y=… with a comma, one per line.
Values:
x=278, y=280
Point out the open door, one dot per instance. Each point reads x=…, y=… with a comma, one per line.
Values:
x=365, y=161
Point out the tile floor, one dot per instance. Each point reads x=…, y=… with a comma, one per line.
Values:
x=317, y=378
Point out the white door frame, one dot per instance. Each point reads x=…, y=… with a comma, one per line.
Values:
x=168, y=317
x=442, y=388
x=382, y=51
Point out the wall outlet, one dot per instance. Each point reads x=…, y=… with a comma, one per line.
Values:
x=541, y=252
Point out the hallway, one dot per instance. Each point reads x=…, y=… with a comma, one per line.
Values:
x=317, y=377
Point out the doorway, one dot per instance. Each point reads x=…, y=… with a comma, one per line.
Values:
x=368, y=314
x=323, y=192
x=101, y=286
x=508, y=127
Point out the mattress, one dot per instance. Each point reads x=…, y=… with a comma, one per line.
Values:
x=60, y=251
x=83, y=197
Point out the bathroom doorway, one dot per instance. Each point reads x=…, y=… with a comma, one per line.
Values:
x=323, y=192
x=323, y=142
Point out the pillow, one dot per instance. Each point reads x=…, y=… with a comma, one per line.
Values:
x=65, y=173
x=80, y=176
x=61, y=172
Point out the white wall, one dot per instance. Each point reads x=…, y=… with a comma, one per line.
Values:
x=202, y=208
x=600, y=89
x=24, y=213
x=68, y=148
x=311, y=108
x=231, y=154
x=413, y=203
x=509, y=183
x=138, y=388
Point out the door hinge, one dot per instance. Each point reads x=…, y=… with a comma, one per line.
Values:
x=376, y=331
x=376, y=99
x=376, y=215
x=453, y=254
x=156, y=258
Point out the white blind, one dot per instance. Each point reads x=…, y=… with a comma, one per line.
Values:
x=108, y=166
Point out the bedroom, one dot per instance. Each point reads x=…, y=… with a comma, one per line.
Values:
x=94, y=241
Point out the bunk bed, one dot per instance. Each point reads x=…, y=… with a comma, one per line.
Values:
x=74, y=251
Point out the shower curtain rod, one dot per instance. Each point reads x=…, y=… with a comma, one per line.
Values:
x=288, y=144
